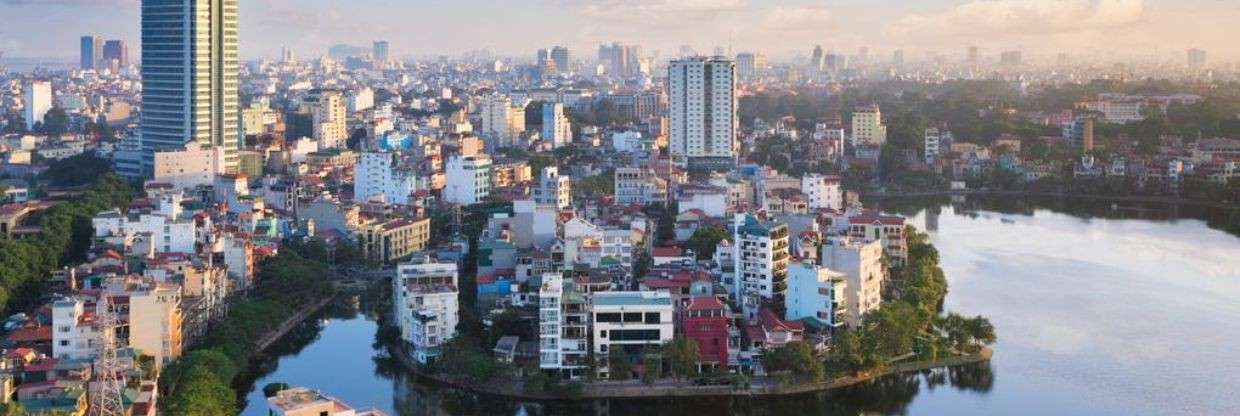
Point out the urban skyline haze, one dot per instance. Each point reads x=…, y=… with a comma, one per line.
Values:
x=1161, y=28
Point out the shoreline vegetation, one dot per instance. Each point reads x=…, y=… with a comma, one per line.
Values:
x=910, y=333
x=1158, y=199
x=288, y=289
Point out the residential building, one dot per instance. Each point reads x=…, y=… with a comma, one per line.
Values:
x=886, y=229
x=394, y=239
x=628, y=323
x=116, y=52
x=705, y=320
x=563, y=327
x=867, y=126
x=555, y=126
x=817, y=294
x=300, y=401
x=189, y=77
x=502, y=119
x=37, y=99
x=155, y=320
x=638, y=186
x=329, y=119
x=935, y=141
x=554, y=189
x=1080, y=132
x=761, y=263
x=822, y=191
x=427, y=308
x=188, y=166
x=377, y=177
x=703, y=112
x=468, y=179
x=861, y=262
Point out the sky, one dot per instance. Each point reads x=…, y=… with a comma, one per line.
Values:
x=779, y=28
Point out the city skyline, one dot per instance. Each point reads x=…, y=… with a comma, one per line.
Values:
x=1039, y=27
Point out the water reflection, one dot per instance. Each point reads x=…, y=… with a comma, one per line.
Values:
x=1100, y=309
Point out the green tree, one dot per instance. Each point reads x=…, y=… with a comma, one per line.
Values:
x=202, y=393
x=55, y=122
x=618, y=366
x=704, y=241
x=796, y=357
x=682, y=356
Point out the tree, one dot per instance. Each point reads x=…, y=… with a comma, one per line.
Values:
x=704, y=241
x=652, y=363
x=682, y=356
x=271, y=389
x=618, y=366
x=202, y=393
x=796, y=357
x=55, y=122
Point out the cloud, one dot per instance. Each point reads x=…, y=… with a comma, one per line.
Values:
x=803, y=18
x=659, y=10
x=1022, y=17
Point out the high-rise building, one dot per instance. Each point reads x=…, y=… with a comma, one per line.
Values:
x=468, y=179
x=620, y=60
x=563, y=59
x=702, y=106
x=189, y=76
x=1010, y=58
x=1080, y=132
x=377, y=177
x=92, y=52
x=972, y=56
x=868, y=127
x=862, y=265
x=1196, y=58
x=817, y=61
x=935, y=141
x=746, y=65
x=897, y=57
x=555, y=126
x=37, y=97
x=329, y=120
x=424, y=296
x=287, y=55
x=116, y=52
x=380, y=52
x=502, y=122
x=554, y=188
x=760, y=263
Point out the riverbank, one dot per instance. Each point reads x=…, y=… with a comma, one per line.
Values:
x=292, y=322
x=632, y=389
x=1046, y=194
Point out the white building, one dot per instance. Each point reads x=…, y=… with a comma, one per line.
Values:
x=502, y=119
x=935, y=141
x=627, y=323
x=553, y=188
x=629, y=141
x=427, y=310
x=818, y=293
x=563, y=327
x=760, y=263
x=822, y=191
x=192, y=166
x=38, y=100
x=638, y=186
x=361, y=100
x=329, y=120
x=703, y=106
x=377, y=178
x=868, y=127
x=1116, y=111
x=468, y=179
x=862, y=265
x=555, y=126
x=73, y=335
x=165, y=234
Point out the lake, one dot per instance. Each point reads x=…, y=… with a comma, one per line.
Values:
x=1101, y=309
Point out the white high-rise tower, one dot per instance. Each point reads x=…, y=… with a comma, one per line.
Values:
x=702, y=101
x=189, y=77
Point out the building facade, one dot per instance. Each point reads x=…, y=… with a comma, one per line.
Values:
x=703, y=106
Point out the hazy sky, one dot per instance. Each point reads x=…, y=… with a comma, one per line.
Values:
x=50, y=28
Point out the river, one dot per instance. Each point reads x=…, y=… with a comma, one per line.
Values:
x=1100, y=309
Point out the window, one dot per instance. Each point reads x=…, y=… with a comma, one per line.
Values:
x=603, y=334
x=607, y=317
x=652, y=317
x=632, y=317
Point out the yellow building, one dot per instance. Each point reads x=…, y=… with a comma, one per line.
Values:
x=155, y=320
x=390, y=240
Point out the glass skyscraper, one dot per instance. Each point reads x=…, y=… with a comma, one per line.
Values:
x=189, y=77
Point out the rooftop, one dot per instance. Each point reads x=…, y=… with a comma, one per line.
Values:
x=632, y=299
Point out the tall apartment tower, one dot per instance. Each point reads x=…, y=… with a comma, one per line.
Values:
x=381, y=51
x=189, y=77
x=37, y=97
x=563, y=59
x=116, y=51
x=92, y=52
x=703, y=105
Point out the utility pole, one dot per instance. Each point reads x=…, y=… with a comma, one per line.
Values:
x=107, y=398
